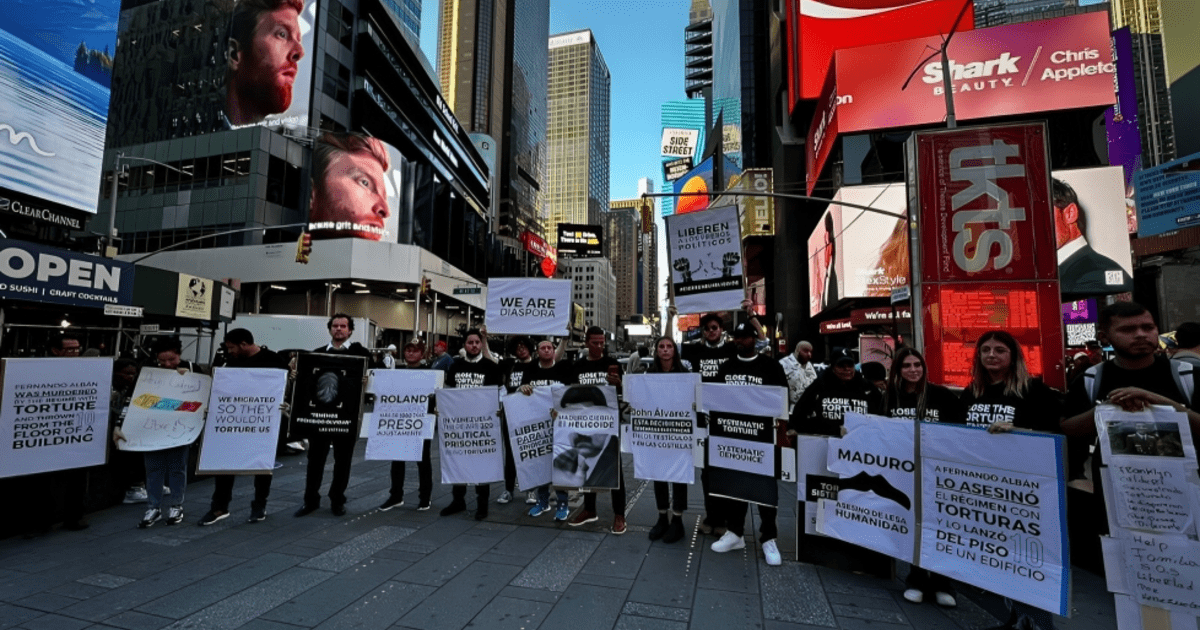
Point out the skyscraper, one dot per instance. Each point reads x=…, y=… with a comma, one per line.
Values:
x=622, y=230
x=698, y=49
x=492, y=67
x=1144, y=19
x=577, y=125
x=409, y=14
x=648, y=300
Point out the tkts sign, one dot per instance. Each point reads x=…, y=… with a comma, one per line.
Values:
x=986, y=249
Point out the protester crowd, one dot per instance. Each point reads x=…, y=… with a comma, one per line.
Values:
x=1002, y=396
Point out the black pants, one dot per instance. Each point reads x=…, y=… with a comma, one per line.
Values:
x=424, y=477
x=618, y=497
x=51, y=497
x=735, y=519
x=459, y=494
x=223, y=492
x=677, y=503
x=318, y=452
x=510, y=465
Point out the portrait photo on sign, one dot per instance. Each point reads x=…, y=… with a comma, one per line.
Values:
x=229, y=64
x=587, y=460
x=1155, y=439
x=586, y=443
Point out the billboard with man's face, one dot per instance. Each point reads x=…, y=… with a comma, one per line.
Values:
x=56, y=64
x=190, y=68
x=356, y=183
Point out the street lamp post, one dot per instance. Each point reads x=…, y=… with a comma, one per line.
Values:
x=110, y=237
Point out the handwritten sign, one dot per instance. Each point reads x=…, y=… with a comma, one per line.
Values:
x=1164, y=571
x=167, y=410
x=1153, y=494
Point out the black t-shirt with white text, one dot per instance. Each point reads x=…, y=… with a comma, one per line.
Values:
x=706, y=359
x=761, y=370
x=1040, y=409
x=514, y=372
x=464, y=374
x=823, y=406
x=588, y=372
x=941, y=405
x=560, y=373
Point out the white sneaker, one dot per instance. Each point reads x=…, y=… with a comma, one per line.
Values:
x=166, y=490
x=531, y=497
x=771, y=551
x=136, y=494
x=505, y=497
x=914, y=595
x=945, y=599
x=729, y=542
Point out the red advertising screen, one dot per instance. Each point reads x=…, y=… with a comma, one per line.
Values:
x=955, y=315
x=985, y=210
x=824, y=26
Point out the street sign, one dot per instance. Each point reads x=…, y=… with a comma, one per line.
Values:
x=468, y=290
x=148, y=329
x=900, y=294
x=118, y=310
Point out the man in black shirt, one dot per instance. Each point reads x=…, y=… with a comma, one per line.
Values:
x=749, y=368
x=242, y=352
x=341, y=326
x=597, y=368
x=466, y=372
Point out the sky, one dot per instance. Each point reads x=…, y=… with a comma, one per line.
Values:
x=642, y=43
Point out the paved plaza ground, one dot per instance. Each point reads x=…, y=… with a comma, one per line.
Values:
x=416, y=570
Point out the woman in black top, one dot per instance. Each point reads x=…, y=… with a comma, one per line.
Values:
x=910, y=395
x=1003, y=396
x=666, y=360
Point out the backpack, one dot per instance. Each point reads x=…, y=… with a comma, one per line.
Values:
x=1181, y=371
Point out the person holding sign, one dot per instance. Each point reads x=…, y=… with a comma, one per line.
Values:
x=412, y=355
x=1003, y=396
x=340, y=326
x=548, y=371
x=169, y=464
x=667, y=361
x=242, y=352
x=472, y=370
x=598, y=368
x=749, y=368
x=909, y=395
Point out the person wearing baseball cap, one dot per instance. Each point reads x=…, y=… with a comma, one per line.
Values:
x=822, y=410
x=441, y=360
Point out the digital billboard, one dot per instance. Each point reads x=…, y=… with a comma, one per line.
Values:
x=1121, y=122
x=867, y=254
x=56, y=64
x=700, y=180
x=1047, y=65
x=1168, y=196
x=818, y=27
x=1091, y=231
x=356, y=181
x=581, y=241
x=190, y=68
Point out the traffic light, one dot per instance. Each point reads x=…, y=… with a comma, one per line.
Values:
x=303, y=248
x=424, y=286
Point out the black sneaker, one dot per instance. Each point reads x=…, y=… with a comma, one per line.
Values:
x=390, y=503
x=212, y=516
x=175, y=515
x=660, y=528
x=454, y=508
x=423, y=506
x=481, y=513
x=257, y=514
x=150, y=518
x=338, y=510
x=305, y=510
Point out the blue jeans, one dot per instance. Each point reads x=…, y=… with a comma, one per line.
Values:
x=543, y=493
x=169, y=464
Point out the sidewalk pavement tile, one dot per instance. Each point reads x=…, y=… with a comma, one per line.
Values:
x=720, y=610
x=526, y=542
x=11, y=615
x=852, y=623
x=603, y=580
x=439, y=567
x=656, y=612
x=134, y=620
x=585, y=607
x=633, y=622
x=729, y=571
x=215, y=588
x=779, y=588
x=106, y=580
x=970, y=615
x=134, y=594
x=46, y=601
x=556, y=566
x=495, y=556
x=357, y=549
x=233, y=612
x=504, y=613
x=380, y=608
x=316, y=605
x=459, y=601
x=533, y=594
x=667, y=578
x=618, y=556
x=54, y=622
x=78, y=591
x=930, y=616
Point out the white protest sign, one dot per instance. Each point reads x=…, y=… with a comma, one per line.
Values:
x=469, y=426
x=814, y=481
x=531, y=435
x=994, y=512
x=875, y=505
x=243, y=432
x=401, y=422
x=663, y=425
x=1163, y=571
x=167, y=410
x=528, y=306
x=55, y=414
x=705, y=249
x=586, y=440
x=741, y=440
